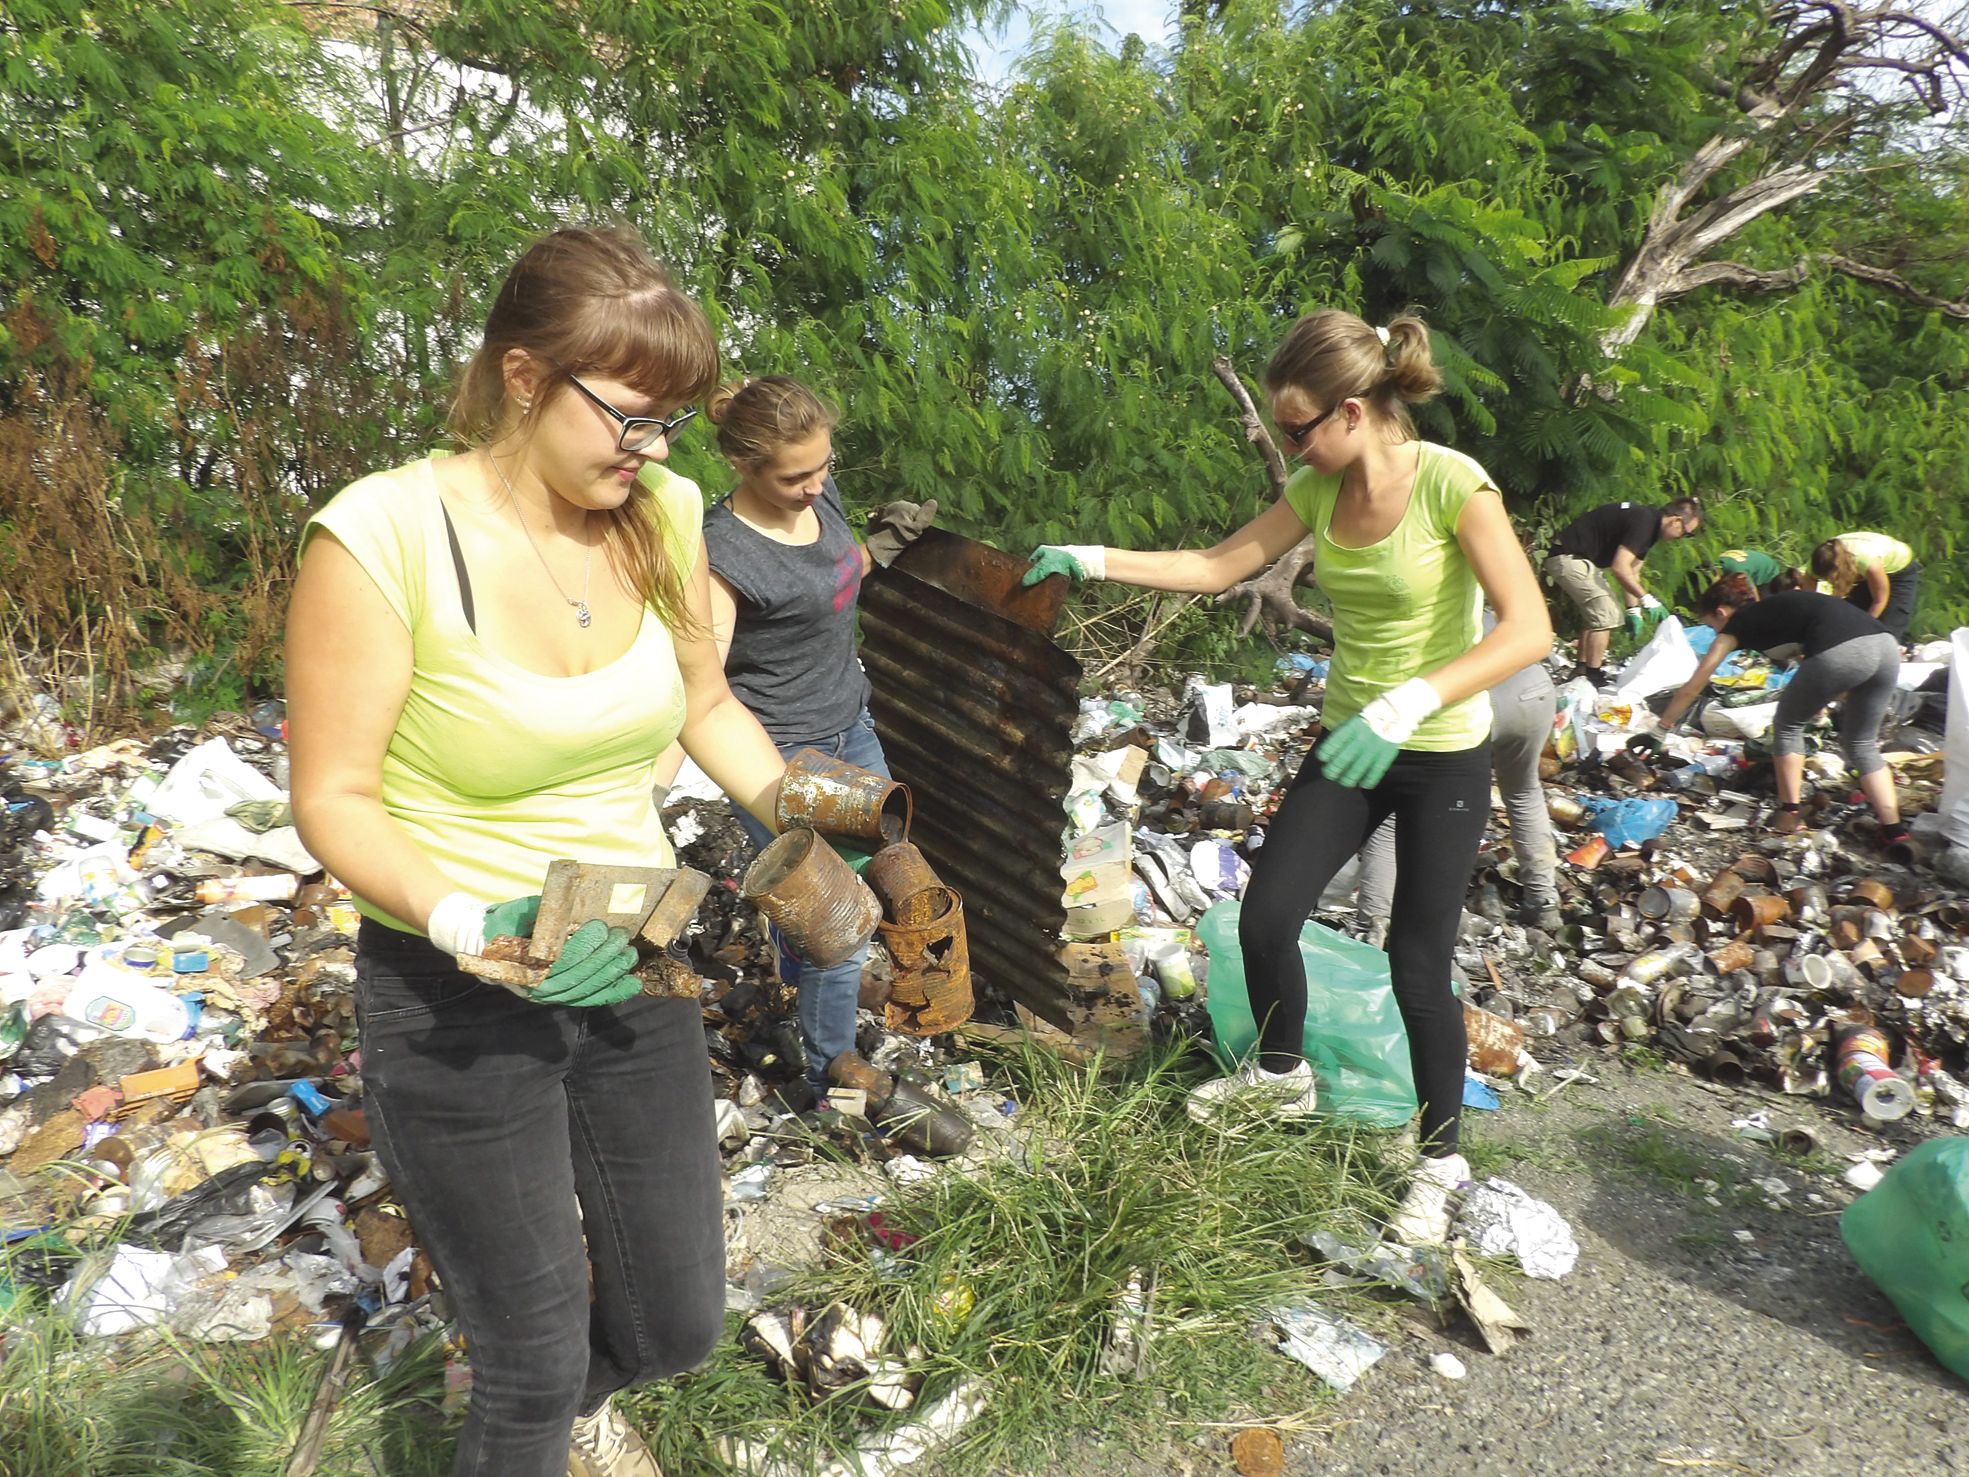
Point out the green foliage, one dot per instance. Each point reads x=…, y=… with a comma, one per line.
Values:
x=244, y=246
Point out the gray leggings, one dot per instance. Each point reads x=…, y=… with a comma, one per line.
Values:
x=1865, y=669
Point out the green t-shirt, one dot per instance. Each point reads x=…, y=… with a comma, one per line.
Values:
x=1758, y=566
x=1406, y=605
x=494, y=770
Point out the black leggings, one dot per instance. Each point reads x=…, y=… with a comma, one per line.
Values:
x=1903, y=590
x=1440, y=803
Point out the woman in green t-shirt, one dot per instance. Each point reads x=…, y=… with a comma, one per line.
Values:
x=1412, y=542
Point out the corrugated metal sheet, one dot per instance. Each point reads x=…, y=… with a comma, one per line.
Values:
x=975, y=705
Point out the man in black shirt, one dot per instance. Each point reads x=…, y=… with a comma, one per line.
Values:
x=1614, y=537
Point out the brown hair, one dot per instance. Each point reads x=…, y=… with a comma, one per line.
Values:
x=1790, y=579
x=1333, y=355
x=1833, y=561
x=589, y=300
x=755, y=418
x=1733, y=590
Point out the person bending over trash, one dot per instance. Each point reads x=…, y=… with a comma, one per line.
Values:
x=1614, y=538
x=1412, y=537
x=1522, y=708
x=785, y=574
x=1846, y=652
x=1874, y=572
x=485, y=655
x=1769, y=575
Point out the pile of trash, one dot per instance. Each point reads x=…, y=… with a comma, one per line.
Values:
x=178, y=1034
x=1820, y=962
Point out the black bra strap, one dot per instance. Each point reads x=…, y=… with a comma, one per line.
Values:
x=464, y=579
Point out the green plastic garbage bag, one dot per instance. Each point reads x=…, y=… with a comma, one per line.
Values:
x=1354, y=1038
x=1910, y=1234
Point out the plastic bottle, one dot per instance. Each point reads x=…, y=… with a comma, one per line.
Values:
x=269, y=719
x=125, y=1004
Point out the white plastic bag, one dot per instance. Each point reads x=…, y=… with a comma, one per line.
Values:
x=206, y=782
x=1952, y=811
x=1663, y=665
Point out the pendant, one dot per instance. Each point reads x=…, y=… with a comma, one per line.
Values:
x=581, y=614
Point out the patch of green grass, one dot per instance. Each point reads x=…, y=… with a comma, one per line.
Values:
x=149, y=1406
x=1487, y=1157
x=1643, y=1058
x=1644, y=1150
x=1112, y=1180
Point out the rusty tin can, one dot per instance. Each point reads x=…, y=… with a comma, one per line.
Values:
x=1753, y=910
x=840, y=799
x=910, y=891
x=1871, y=892
x=1724, y=890
x=932, y=990
x=813, y=897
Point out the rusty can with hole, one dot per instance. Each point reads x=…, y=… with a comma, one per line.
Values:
x=910, y=892
x=932, y=958
x=841, y=799
x=814, y=898
x=1754, y=909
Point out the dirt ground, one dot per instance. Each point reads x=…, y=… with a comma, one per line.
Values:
x=1710, y=1327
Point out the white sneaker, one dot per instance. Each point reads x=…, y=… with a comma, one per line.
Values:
x=606, y=1445
x=1423, y=1219
x=1253, y=1092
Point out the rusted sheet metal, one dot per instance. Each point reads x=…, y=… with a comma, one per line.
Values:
x=975, y=704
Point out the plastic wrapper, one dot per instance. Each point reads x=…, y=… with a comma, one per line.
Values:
x=1330, y=1347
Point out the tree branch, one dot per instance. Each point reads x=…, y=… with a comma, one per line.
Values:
x=1753, y=279
x=1254, y=429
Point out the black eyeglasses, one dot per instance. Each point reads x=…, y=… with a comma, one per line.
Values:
x=639, y=432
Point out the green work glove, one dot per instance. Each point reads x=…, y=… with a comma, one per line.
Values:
x=1076, y=561
x=597, y=967
x=1633, y=620
x=512, y=920
x=1355, y=755
x=1645, y=746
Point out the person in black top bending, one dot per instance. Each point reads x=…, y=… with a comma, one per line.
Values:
x=1846, y=651
x=1611, y=541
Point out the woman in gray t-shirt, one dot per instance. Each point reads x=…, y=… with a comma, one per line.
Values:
x=786, y=571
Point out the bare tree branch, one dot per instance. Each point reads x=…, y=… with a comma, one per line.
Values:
x=1254, y=428
x=1753, y=279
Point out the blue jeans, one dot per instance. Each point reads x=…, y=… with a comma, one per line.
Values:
x=561, y=1167
x=827, y=996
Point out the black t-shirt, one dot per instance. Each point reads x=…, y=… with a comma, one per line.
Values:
x=1802, y=617
x=1597, y=536
x=793, y=660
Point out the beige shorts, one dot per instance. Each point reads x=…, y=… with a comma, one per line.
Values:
x=1587, y=588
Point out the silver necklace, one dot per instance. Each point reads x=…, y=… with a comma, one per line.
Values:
x=581, y=612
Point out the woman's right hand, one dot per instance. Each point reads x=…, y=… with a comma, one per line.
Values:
x=1076, y=561
x=460, y=924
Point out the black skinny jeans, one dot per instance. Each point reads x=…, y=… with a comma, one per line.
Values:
x=535, y=1147
x=1440, y=803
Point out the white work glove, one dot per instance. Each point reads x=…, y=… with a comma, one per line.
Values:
x=1394, y=716
x=457, y=924
x=1648, y=602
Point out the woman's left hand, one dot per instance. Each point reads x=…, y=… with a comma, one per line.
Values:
x=896, y=527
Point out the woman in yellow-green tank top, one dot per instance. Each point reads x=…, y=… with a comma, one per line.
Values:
x=1412, y=541
x=486, y=653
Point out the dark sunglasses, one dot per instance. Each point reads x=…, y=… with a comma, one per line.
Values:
x=1296, y=435
x=638, y=432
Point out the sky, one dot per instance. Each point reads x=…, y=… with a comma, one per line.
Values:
x=1152, y=20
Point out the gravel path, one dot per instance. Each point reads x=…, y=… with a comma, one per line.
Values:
x=1678, y=1344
